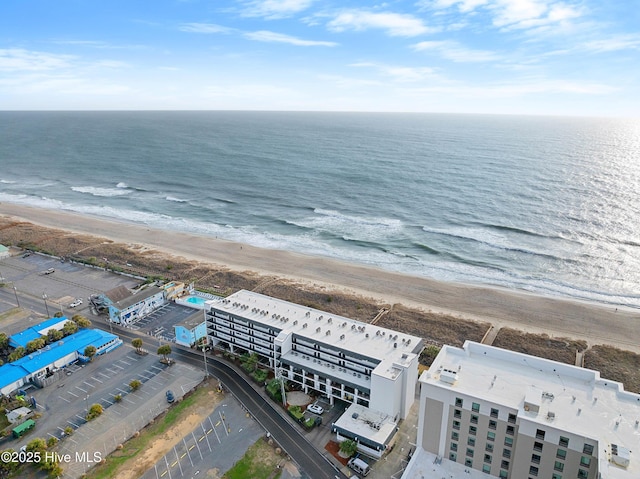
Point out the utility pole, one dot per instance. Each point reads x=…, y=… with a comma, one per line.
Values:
x=44, y=297
x=15, y=291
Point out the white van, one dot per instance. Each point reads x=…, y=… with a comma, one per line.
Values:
x=359, y=466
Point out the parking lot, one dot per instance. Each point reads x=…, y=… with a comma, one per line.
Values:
x=56, y=291
x=159, y=324
x=216, y=443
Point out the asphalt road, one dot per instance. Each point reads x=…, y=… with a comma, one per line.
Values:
x=285, y=434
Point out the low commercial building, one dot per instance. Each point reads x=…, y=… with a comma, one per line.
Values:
x=48, y=360
x=337, y=357
x=189, y=331
x=489, y=411
x=22, y=338
x=127, y=310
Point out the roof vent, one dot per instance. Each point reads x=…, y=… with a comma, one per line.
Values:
x=342, y=336
x=318, y=330
x=328, y=332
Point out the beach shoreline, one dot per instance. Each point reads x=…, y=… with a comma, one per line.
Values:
x=593, y=322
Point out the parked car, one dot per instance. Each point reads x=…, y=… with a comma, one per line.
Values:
x=26, y=255
x=170, y=397
x=315, y=408
x=77, y=302
x=49, y=271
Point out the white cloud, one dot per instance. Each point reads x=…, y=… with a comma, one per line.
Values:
x=274, y=9
x=400, y=73
x=515, y=14
x=614, y=43
x=16, y=59
x=204, y=28
x=455, y=52
x=273, y=37
x=395, y=24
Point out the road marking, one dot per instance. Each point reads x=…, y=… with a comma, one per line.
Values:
x=214, y=430
x=96, y=379
x=74, y=395
x=78, y=387
x=185, y=446
x=66, y=400
x=88, y=384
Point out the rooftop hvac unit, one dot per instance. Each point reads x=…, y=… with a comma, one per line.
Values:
x=328, y=332
x=353, y=326
x=295, y=322
x=318, y=330
x=366, y=335
x=620, y=456
x=448, y=376
x=342, y=336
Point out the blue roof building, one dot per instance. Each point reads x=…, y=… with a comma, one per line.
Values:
x=55, y=356
x=36, y=331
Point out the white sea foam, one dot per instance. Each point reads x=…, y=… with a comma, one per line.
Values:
x=174, y=199
x=122, y=185
x=7, y=182
x=97, y=191
x=350, y=227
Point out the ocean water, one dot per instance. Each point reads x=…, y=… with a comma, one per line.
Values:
x=547, y=205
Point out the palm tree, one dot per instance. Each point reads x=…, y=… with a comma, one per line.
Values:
x=90, y=352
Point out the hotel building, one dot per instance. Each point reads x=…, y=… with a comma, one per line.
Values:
x=486, y=411
x=340, y=358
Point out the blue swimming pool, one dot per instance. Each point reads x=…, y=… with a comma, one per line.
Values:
x=195, y=300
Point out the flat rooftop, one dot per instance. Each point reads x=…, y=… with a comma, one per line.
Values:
x=570, y=398
x=320, y=326
x=365, y=423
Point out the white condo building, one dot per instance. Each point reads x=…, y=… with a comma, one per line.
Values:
x=488, y=412
x=368, y=366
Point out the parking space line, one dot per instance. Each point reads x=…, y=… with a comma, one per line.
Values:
x=66, y=400
x=104, y=375
x=196, y=443
x=96, y=379
x=167, y=462
x=178, y=460
x=88, y=384
x=187, y=449
x=74, y=395
x=78, y=387
x=206, y=437
x=117, y=366
x=214, y=430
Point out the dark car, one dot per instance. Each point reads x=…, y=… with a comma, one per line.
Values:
x=170, y=397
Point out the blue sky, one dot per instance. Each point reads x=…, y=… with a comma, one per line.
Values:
x=559, y=57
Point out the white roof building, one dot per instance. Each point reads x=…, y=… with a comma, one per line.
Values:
x=513, y=415
x=340, y=358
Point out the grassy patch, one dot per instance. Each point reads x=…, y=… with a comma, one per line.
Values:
x=541, y=345
x=4, y=422
x=259, y=462
x=615, y=364
x=132, y=447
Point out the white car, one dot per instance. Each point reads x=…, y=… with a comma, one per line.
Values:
x=315, y=408
x=77, y=302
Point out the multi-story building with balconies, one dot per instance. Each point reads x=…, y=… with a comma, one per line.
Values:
x=338, y=357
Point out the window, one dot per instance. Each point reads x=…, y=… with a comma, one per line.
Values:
x=510, y=430
x=588, y=449
x=486, y=468
x=489, y=447
x=475, y=407
x=457, y=413
x=494, y=412
x=493, y=425
x=468, y=462
x=474, y=419
x=537, y=446
x=585, y=461
x=458, y=402
x=491, y=436
x=487, y=458
x=504, y=465
x=564, y=441
x=504, y=474
x=473, y=430
x=508, y=441
x=455, y=436
x=469, y=452
x=540, y=434
x=512, y=419
x=561, y=454
x=453, y=456
x=533, y=471
x=506, y=453
x=456, y=425
x=582, y=474
x=535, y=458
x=471, y=441
x=454, y=446
x=558, y=466
x=556, y=476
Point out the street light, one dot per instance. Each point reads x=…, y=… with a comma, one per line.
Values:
x=44, y=297
x=204, y=355
x=15, y=290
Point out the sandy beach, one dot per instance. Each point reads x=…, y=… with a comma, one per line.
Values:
x=597, y=324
